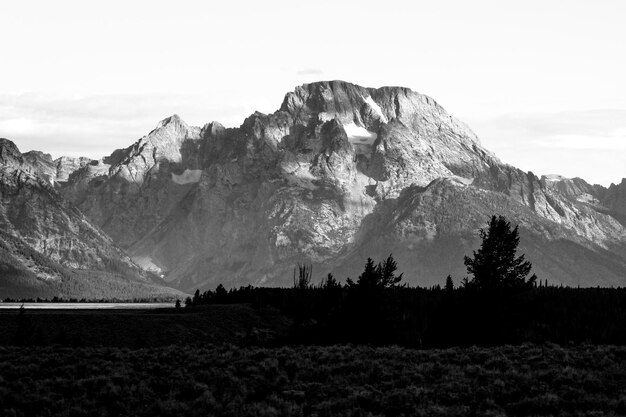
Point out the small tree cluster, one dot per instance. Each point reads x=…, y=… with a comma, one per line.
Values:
x=330, y=283
x=381, y=275
x=220, y=295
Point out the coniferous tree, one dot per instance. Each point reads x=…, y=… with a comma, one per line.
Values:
x=387, y=272
x=378, y=276
x=369, y=277
x=220, y=293
x=495, y=265
x=331, y=283
x=449, y=283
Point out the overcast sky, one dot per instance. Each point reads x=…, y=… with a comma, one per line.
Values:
x=541, y=82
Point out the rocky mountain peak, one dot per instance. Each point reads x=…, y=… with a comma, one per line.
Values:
x=326, y=100
x=576, y=189
x=42, y=164
x=9, y=153
x=164, y=143
x=174, y=120
x=615, y=198
x=66, y=166
x=38, y=155
x=213, y=129
x=371, y=108
x=621, y=184
x=341, y=98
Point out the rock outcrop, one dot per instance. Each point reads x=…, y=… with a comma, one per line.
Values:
x=615, y=197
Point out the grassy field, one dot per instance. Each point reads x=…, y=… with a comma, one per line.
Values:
x=134, y=328
x=526, y=380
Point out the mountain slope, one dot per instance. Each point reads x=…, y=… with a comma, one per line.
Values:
x=47, y=245
x=430, y=229
x=317, y=180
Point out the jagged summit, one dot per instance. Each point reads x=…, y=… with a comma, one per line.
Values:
x=39, y=155
x=213, y=129
x=615, y=199
x=174, y=119
x=339, y=97
x=9, y=153
x=344, y=100
x=371, y=109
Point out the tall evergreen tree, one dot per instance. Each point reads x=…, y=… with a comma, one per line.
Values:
x=495, y=265
x=220, y=292
x=387, y=272
x=449, y=283
x=369, y=278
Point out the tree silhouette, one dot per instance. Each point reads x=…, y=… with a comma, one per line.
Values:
x=330, y=283
x=449, y=283
x=378, y=276
x=303, y=280
x=220, y=294
x=495, y=265
x=387, y=273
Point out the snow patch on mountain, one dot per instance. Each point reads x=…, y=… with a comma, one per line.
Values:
x=587, y=198
x=188, y=177
x=462, y=180
x=147, y=263
x=554, y=177
x=359, y=135
x=370, y=101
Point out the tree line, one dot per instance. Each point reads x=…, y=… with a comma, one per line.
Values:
x=499, y=302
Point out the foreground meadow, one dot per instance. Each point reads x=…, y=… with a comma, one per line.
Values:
x=539, y=380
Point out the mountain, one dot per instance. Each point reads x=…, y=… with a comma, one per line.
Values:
x=48, y=247
x=53, y=171
x=338, y=173
x=614, y=198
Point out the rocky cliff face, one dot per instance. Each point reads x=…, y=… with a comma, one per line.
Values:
x=338, y=173
x=53, y=171
x=44, y=237
x=615, y=197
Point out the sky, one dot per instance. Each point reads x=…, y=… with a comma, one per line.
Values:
x=542, y=83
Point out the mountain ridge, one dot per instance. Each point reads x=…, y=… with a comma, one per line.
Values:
x=48, y=247
x=308, y=183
